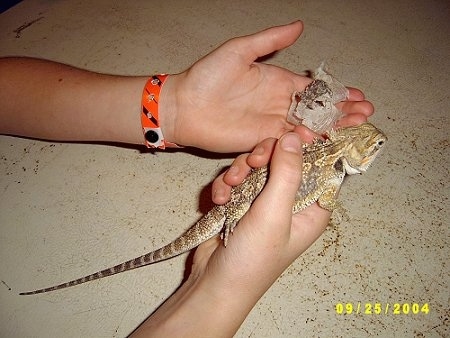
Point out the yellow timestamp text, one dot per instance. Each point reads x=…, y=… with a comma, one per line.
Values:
x=382, y=308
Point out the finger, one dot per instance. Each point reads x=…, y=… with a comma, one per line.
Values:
x=238, y=170
x=267, y=41
x=356, y=107
x=301, y=81
x=220, y=191
x=351, y=120
x=308, y=225
x=306, y=134
x=221, y=187
x=260, y=156
x=314, y=216
x=354, y=94
x=262, y=153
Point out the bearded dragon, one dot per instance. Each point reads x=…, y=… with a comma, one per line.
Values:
x=348, y=150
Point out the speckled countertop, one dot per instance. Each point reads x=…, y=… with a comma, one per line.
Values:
x=70, y=209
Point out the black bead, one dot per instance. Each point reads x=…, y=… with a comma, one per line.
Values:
x=151, y=136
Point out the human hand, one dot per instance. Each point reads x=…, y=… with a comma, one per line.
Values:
x=228, y=102
x=267, y=239
x=264, y=152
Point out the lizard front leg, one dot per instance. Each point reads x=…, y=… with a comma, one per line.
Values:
x=328, y=200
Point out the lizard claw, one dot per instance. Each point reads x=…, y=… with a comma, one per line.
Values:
x=227, y=229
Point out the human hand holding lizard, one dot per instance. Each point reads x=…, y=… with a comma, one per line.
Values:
x=268, y=239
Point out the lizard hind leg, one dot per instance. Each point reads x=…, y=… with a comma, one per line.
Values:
x=227, y=230
x=234, y=216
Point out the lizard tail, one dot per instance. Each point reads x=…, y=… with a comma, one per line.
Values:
x=100, y=274
x=191, y=239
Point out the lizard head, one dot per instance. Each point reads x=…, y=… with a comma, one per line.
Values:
x=362, y=145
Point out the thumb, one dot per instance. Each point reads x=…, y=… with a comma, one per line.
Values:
x=286, y=167
x=268, y=41
x=284, y=179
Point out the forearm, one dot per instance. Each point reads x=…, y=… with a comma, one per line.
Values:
x=199, y=310
x=49, y=100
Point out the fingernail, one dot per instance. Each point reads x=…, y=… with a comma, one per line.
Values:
x=233, y=170
x=291, y=142
x=258, y=151
x=218, y=195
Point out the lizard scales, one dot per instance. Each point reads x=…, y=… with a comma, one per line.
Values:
x=348, y=150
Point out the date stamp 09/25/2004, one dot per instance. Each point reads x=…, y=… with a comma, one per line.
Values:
x=382, y=308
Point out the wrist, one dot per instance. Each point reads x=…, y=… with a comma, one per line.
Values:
x=154, y=117
x=168, y=109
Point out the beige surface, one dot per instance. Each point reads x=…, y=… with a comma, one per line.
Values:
x=70, y=209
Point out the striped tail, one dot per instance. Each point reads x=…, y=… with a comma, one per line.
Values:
x=206, y=228
x=149, y=258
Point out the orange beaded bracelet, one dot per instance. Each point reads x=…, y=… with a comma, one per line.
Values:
x=150, y=115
